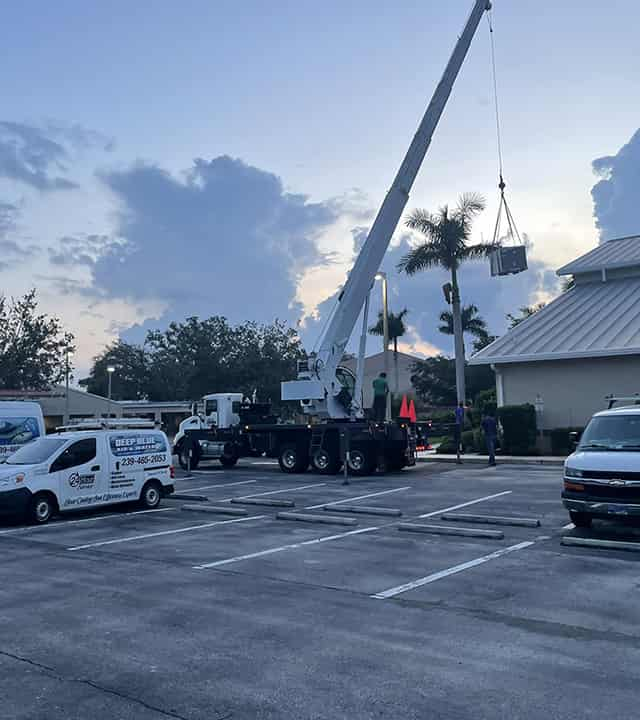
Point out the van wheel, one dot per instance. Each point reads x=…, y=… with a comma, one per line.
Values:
x=292, y=459
x=42, y=507
x=580, y=520
x=228, y=461
x=151, y=495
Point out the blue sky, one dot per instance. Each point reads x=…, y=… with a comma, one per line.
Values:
x=161, y=159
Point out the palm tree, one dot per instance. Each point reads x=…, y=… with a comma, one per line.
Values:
x=472, y=323
x=447, y=234
x=397, y=329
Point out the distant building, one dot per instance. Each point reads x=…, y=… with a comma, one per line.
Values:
x=580, y=347
x=374, y=365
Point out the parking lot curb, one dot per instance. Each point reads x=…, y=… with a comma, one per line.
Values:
x=364, y=510
x=606, y=544
x=215, y=509
x=479, y=460
x=307, y=517
x=444, y=530
x=193, y=498
x=491, y=520
x=263, y=501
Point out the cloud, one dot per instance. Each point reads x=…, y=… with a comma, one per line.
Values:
x=30, y=156
x=12, y=252
x=226, y=238
x=616, y=197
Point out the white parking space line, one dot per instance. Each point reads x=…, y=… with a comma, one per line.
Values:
x=190, y=528
x=466, y=504
x=291, y=546
x=360, y=497
x=223, y=485
x=65, y=523
x=273, y=492
x=399, y=589
x=316, y=541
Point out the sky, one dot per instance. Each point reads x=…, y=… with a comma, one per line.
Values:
x=160, y=160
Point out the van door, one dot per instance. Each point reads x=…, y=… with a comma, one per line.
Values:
x=80, y=475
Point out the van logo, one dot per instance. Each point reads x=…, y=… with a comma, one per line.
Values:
x=81, y=481
x=617, y=482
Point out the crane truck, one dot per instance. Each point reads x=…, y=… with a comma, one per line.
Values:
x=330, y=394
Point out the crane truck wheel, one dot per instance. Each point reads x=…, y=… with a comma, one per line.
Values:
x=361, y=462
x=293, y=459
x=228, y=461
x=325, y=462
x=186, y=451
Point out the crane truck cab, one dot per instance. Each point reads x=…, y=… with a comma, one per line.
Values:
x=20, y=423
x=87, y=465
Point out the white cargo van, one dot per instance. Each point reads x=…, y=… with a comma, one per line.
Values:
x=75, y=469
x=20, y=423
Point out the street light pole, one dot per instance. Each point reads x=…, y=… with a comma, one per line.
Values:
x=66, y=387
x=110, y=371
x=385, y=335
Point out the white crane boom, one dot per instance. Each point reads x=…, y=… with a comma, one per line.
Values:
x=317, y=386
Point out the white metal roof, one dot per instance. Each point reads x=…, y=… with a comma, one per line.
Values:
x=590, y=320
x=624, y=252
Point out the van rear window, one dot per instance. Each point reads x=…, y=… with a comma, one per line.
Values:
x=16, y=431
x=135, y=444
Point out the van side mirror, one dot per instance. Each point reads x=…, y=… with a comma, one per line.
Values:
x=574, y=438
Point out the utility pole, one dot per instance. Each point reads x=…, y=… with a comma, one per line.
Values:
x=110, y=371
x=66, y=386
x=385, y=335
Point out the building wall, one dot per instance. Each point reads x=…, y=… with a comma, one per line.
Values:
x=374, y=365
x=572, y=390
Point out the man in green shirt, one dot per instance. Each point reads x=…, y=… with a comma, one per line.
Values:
x=380, y=392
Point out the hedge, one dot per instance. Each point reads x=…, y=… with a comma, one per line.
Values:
x=561, y=443
x=518, y=429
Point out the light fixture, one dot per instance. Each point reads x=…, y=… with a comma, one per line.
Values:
x=110, y=369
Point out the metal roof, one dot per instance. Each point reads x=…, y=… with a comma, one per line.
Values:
x=624, y=252
x=590, y=320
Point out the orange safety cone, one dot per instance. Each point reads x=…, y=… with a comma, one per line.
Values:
x=404, y=409
x=412, y=412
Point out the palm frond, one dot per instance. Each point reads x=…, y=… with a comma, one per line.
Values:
x=476, y=252
x=470, y=205
x=420, y=258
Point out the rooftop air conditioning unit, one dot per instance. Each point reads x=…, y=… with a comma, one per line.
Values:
x=508, y=260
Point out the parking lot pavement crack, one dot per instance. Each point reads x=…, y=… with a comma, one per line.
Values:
x=52, y=672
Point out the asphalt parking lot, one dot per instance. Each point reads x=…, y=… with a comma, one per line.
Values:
x=124, y=614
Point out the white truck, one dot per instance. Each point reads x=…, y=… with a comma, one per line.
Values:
x=20, y=423
x=87, y=465
x=326, y=391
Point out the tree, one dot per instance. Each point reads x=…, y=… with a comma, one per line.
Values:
x=482, y=341
x=33, y=346
x=130, y=381
x=447, y=235
x=525, y=312
x=397, y=329
x=472, y=323
x=435, y=380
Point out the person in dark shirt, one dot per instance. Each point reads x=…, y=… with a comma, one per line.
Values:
x=490, y=430
x=380, y=391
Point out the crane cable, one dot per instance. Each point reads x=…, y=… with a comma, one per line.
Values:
x=504, y=206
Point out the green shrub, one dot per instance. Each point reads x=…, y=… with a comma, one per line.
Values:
x=484, y=403
x=518, y=429
x=561, y=442
x=446, y=447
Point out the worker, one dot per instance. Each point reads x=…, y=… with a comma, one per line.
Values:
x=490, y=430
x=380, y=392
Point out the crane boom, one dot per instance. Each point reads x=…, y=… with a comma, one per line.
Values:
x=318, y=386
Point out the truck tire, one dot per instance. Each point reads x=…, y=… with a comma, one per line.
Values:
x=42, y=507
x=580, y=520
x=325, y=462
x=361, y=462
x=185, y=448
x=151, y=495
x=228, y=461
x=293, y=459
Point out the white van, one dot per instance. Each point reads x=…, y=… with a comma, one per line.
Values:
x=602, y=476
x=79, y=469
x=20, y=423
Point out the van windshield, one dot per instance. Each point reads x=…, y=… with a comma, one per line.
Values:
x=36, y=452
x=612, y=432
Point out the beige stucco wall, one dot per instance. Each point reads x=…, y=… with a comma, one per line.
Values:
x=374, y=365
x=572, y=390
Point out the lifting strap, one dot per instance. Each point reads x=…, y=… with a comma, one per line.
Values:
x=503, y=208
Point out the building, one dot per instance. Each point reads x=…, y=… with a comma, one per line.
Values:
x=374, y=365
x=580, y=347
